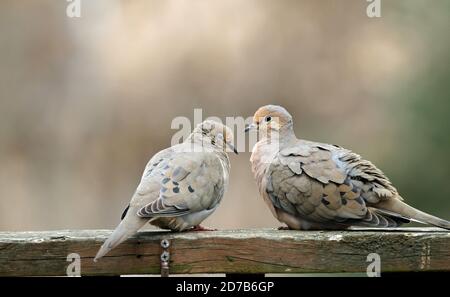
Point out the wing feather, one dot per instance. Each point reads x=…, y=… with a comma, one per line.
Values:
x=325, y=183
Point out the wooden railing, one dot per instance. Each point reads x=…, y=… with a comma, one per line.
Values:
x=256, y=251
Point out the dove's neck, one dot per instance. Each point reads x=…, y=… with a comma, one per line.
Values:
x=268, y=147
x=200, y=141
x=197, y=142
x=279, y=139
x=287, y=136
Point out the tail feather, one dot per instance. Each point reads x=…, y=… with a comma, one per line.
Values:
x=400, y=207
x=127, y=228
x=379, y=219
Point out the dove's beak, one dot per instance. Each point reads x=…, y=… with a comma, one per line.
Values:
x=233, y=148
x=252, y=126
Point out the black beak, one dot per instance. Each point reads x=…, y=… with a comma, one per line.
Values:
x=250, y=127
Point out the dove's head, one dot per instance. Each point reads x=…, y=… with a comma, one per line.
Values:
x=270, y=117
x=216, y=134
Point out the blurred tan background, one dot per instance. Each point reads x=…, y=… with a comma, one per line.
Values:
x=84, y=103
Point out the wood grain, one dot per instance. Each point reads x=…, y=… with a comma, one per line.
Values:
x=233, y=251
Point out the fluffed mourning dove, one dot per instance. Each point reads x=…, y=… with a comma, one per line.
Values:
x=309, y=185
x=181, y=185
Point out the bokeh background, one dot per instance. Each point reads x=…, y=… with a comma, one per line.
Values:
x=84, y=103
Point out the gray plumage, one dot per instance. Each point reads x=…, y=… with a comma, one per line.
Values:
x=181, y=185
x=311, y=185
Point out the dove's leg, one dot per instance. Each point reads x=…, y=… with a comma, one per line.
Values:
x=201, y=228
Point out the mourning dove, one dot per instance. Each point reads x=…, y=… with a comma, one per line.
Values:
x=181, y=185
x=309, y=185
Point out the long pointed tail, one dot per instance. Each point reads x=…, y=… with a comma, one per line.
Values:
x=129, y=226
x=400, y=207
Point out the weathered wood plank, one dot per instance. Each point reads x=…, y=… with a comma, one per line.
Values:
x=233, y=251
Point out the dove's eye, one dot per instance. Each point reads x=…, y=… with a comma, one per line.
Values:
x=268, y=119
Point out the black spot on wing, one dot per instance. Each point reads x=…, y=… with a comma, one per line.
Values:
x=165, y=180
x=359, y=178
x=325, y=202
x=191, y=189
x=124, y=213
x=176, y=190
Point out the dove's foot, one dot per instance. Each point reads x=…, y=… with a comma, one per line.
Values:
x=284, y=228
x=201, y=228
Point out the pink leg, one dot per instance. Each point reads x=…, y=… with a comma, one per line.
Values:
x=201, y=228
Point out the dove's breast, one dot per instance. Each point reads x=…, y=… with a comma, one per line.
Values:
x=261, y=159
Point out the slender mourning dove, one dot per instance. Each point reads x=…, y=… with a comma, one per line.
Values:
x=309, y=185
x=181, y=185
